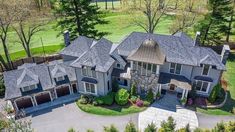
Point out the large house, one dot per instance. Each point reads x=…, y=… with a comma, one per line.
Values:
x=152, y=61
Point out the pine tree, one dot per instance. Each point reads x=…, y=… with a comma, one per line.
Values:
x=168, y=126
x=112, y=128
x=151, y=128
x=133, y=90
x=79, y=17
x=213, y=26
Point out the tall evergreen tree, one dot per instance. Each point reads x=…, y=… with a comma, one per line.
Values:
x=231, y=20
x=79, y=17
x=213, y=26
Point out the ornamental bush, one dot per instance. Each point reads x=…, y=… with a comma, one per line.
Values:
x=151, y=128
x=112, y=128
x=214, y=93
x=130, y=127
x=150, y=96
x=122, y=96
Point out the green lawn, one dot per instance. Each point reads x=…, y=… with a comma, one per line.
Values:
x=229, y=75
x=117, y=111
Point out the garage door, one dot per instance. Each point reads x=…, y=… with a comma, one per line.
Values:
x=62, y=91
x=43, y=98
x=24, y=103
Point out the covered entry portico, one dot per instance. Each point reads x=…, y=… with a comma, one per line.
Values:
x=172, y=82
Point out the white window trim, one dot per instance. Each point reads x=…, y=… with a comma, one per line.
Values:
x=175, y=68
x=35, y=86
x=208, y=70
x=84, y=84
x=207, y=89
x=57, y=79
x=88, y=73
x=141, y=67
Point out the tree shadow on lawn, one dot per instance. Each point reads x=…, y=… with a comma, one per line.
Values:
x=116, y=107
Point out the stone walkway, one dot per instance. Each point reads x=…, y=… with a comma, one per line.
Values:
x=165, y=107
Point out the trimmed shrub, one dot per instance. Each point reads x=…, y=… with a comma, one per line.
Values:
x=133, y=90
x=214, y=93
x=106, y=100
x=71, y=130
x=86, y=99
x=115, y=86
x=122, y=96
x=112, y=128
x=233, y=110
x=150, y=96
x=151, y=128
x=130, y=127
x=146, y=103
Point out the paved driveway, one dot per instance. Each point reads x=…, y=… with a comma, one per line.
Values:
x=162, y=109
x=62, y=118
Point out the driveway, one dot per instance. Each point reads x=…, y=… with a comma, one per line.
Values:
x=62, y=118
x=165, y=107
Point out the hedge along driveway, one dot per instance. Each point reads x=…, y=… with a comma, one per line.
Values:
x=110, y=111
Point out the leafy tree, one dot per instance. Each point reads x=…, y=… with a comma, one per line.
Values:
x=150, y=96
x=151, y=128
x=112, y=128
x=168, y=126
x=231, y=20
x=213, y=26
x=230, y=127
x=79, y=17
x=130, y=127
x=133, y=89
x=19, y=126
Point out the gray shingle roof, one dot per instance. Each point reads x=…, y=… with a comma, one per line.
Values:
x=97, y=56
x=175, y=49
x=11, y=77
x=59, y=68
x=78, y=47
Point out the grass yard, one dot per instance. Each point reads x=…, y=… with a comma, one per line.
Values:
x=229, y=75
x=115, y=111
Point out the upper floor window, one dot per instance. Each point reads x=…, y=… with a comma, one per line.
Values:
x=118, y=65
x=29, y=88
x=145, y=69
x=60, y=78
x=175, y=68
x=88, y=72
x=206, y=69
x=201, y=86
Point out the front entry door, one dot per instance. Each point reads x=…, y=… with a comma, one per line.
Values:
x=172, y=87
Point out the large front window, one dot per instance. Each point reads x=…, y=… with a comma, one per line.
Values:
x=201, y=86
x=146, y=69
x=206, y=69
x=88, y=72
x=90, y=88
x=175, y=68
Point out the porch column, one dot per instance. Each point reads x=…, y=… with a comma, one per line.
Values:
x=186, y=94
x=131, y=65
x=183, y=94
x=157, y=89
x=160, y=88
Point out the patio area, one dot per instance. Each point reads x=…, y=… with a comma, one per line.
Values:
x=168, y=106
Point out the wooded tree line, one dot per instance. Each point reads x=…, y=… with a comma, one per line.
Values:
x=213, y=18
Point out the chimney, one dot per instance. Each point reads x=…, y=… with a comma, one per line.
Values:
x=66, y=38
x=197, y=39
x=225, y=53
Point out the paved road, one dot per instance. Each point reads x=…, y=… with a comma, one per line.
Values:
x=209, y=121
x=64, y=117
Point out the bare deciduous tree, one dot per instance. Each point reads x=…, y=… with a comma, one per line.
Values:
x=152, y=14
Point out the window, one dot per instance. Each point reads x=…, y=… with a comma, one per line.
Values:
x=88, y=72
x=144, y=68
x=125, y=82
x=139, y=67
x=29, y=88
x=90, y=88
x=134, y=65
x=206, y=69
x=60, y=78
x=118, y=65
x=175, y=68
x=149, y=70
x=201, y=86
x=154, y=69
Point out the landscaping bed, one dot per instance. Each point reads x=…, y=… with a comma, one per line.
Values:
x=119, y=102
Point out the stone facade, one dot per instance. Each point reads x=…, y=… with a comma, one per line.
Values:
x=145, y=82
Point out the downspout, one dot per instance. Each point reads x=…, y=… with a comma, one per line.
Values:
x=104, y=83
